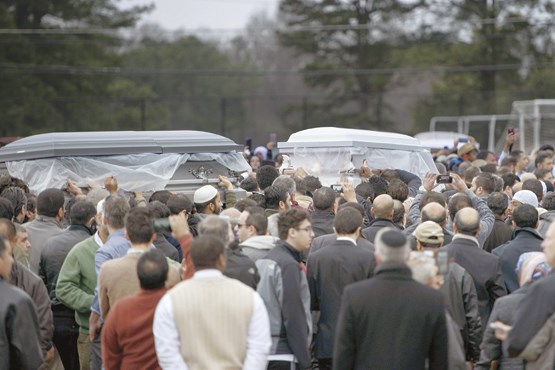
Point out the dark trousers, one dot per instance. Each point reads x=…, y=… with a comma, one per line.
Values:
x=66, y=333
x=282, y=365
x=324, y=363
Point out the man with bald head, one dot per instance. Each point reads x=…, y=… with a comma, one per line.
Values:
x=481, y=265
x=382, y=211
x=437, y=213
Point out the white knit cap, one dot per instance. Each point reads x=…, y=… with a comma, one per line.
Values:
x=204, y=194
x=526, y=197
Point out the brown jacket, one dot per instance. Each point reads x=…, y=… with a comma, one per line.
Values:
x=118, y=279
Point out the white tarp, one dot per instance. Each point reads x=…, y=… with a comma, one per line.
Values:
x=327, y=152
x=135, y=172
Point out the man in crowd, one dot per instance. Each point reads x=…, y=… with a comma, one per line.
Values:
x=322, y=218
x=544, y=160
x=22, y=246
x=231, y=329
x=251, y=231
x=277, y=200
x=77, y=281
x=382, y=212
x=501, y=232
x=54, y=252
x=481, y=265
x=325, y=241
x=127, y=339
x=50, y=214
x=284, y=288
x=115, y=210
x=118, y=277
x=526, y=239
x=238, y=266
x=330, y=270
x=461, y=300
x=24, y=279
x=391, y=299
x=537, y=306
x=160, y=210
x=19, y=327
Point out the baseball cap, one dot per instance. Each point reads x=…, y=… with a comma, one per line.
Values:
x=429, y=232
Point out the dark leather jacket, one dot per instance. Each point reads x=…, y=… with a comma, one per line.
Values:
x=461, y=301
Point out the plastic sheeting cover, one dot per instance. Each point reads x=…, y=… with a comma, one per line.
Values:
x=328, y=163
x=135, y=172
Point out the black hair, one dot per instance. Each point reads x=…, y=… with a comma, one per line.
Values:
x=82, y=212
x=49, y=202
x=274, y=194
x=161, y=196
x=178, y=203
x=525, y=215
x=152, y=269
x=158, y=209
x=498, y=203
x=535, y=186
x=16, y=196
x=265, y=176
x=6, y=209
x=249, y=184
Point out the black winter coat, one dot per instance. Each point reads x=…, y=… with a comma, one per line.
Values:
x=391, y=322
x=525, y=240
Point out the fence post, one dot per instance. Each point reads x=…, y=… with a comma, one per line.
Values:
x=305, y=113
x=143, y=114
x=223, y=104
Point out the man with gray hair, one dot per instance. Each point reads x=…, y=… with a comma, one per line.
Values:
x=323, y=215
x=458, y=290
x=380, y=317
x=238, y=265
x=481, y=265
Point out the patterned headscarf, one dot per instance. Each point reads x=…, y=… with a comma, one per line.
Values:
x=531, y=266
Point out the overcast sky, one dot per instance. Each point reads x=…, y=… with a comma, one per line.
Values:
x=194, y=14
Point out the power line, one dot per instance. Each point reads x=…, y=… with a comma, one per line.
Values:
x=87, y=70
x=288, y=29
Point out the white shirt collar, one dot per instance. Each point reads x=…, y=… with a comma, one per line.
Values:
x=98, y=240
x=135, y=251
x=347, y=238
x=207, y=273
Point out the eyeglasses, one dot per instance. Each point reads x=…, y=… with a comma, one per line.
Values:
x=241, y=225
x=307, y=229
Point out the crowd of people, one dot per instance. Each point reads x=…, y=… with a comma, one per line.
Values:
x=397, y=272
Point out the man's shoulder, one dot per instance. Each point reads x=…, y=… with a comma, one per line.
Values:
x=42, y=226
x=13, y=295
x=118, y=265
x=340, y=248
x=543, y=288
x=114, y=243
x=89, y=244
x=238, y=257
